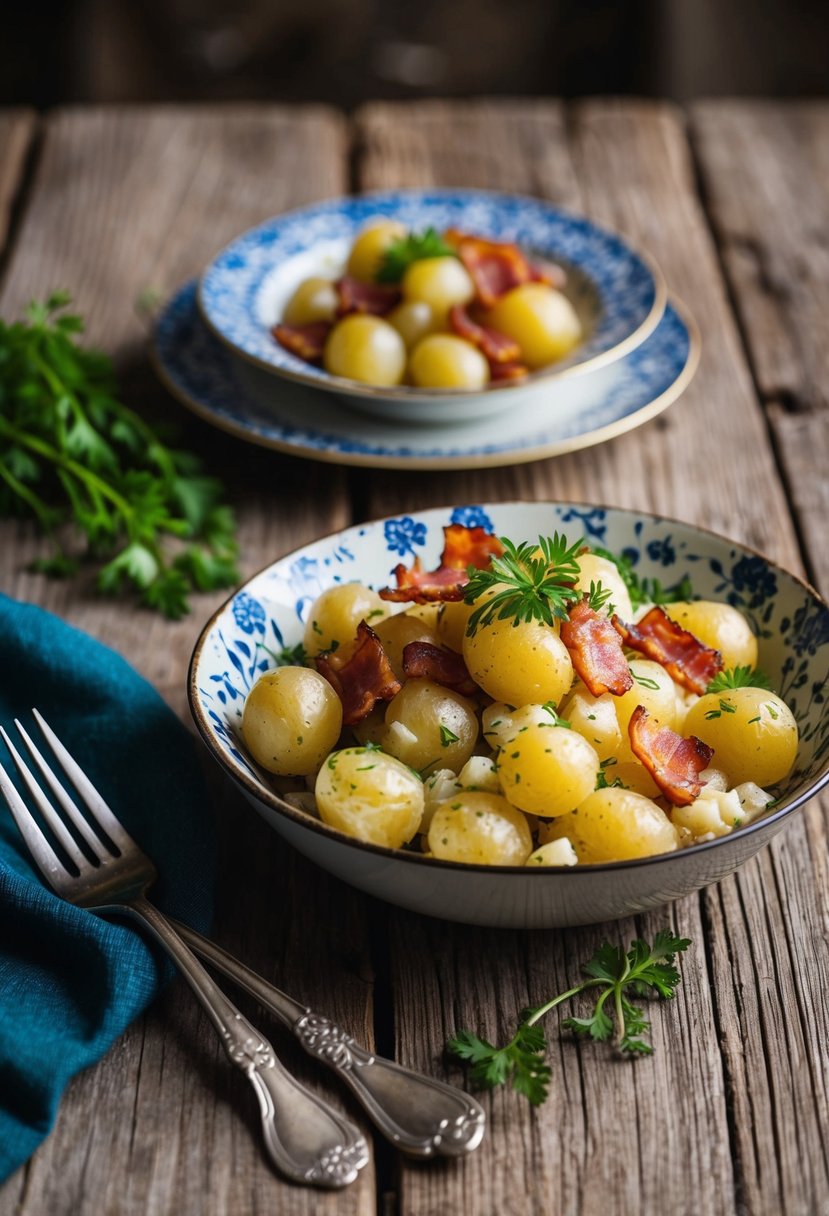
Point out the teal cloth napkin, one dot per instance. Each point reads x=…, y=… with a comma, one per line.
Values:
x=70, y=982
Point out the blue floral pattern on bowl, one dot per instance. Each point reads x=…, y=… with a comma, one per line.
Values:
x=629, y=290
x=268, y=613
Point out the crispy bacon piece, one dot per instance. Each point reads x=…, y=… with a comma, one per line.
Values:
x=306, y=341
x=462, y=547
x=374, y=298
x=596, y=650
x=361, y=679
x=495, y=267
x=683, y=656
x=508, y=371
x=425, y=661
x=673, y=762
x=497, y=347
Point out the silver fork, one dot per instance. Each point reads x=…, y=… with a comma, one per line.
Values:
x=306, y=1139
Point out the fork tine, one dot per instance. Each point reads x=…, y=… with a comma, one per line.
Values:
x=93, y=801
x=70, y=807
x=45, y=857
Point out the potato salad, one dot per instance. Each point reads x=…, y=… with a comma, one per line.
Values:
x=433, y=310
x=525, y=704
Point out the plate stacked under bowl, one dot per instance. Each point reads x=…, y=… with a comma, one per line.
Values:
x=214, y=349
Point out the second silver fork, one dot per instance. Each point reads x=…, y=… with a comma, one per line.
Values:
x=306, y=1139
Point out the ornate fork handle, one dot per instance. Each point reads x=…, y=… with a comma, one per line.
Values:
x=420, y=1115
x=306, y=1139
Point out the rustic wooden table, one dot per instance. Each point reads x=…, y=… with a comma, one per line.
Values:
x=730, y=1113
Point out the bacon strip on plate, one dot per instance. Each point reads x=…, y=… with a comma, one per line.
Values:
x=595, y=650
x=462, y=547
x=424, y=660
x=306, y=341
x=495, y=267
x=361, y=679
x=684, y=657
x=508, y=371
x=374, y=298
x=497, y=347
x=674, y=763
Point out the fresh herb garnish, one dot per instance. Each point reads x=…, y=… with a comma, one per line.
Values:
x=646, y=681
x=447, y=736
x=529, y=582
x=72, y=454
x=739, y=677
x=549, y=707
x=413, y=247
x=641, y=971
x=597, y=597
x=645, y=590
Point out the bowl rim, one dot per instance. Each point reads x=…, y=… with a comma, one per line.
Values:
x=303, y=819
x=405, y=392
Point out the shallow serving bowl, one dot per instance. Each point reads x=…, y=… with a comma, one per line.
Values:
x=618, y=293
x=267, y=613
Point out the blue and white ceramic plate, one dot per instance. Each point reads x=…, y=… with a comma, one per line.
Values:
x=239, y=398
x=619, y=294
x=268, y=613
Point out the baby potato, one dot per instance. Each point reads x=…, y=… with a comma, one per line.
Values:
x=480, y=829
x=439, y=282
x=615, y=825
x=413, y=320
x=595, y=720
x=367, y=349
x=653, y=688
x=635, y=776
x=314, y=300
x=542, y=321
x=445, y=361
x=719, y=626
x=521, y=664
x=428, y=726
x=370, y=795
x=334, y=616
x=752, y=731
x=453, y=617
x=369, y=247
x=395, y=632
x=291, y=720
x=547, y=770
x=596, y=569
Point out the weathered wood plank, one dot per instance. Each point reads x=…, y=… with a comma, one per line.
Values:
x=612, y=1138
x=765, y=171
x=122, y=200
x=17, y=130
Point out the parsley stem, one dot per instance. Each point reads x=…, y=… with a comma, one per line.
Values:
x=539, y=1013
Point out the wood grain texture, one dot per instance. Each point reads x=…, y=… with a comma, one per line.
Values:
x=765, y=170
x=17, y=130
x=122, y=200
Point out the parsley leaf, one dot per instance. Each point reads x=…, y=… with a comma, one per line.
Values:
x=739, y=677
x=447, y=736
x=71, y=453
x=645, y=590
x=399, y=255
x=528, y=582
x=614, y=975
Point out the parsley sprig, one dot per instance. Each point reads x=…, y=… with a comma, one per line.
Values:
x=614, y=975
x=645, y=590
x=739, y=677
x=399, y=255
x=82, y=463
x=528, y=582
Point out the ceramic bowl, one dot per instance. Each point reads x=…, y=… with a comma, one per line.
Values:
x=267, y=613
x=618, y=293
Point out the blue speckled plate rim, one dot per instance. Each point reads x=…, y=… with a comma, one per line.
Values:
x=507, y=456
x=325, y=381
x=305, y=820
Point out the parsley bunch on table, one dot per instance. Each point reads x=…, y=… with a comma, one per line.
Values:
x=614, y=976
x=89, y=468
